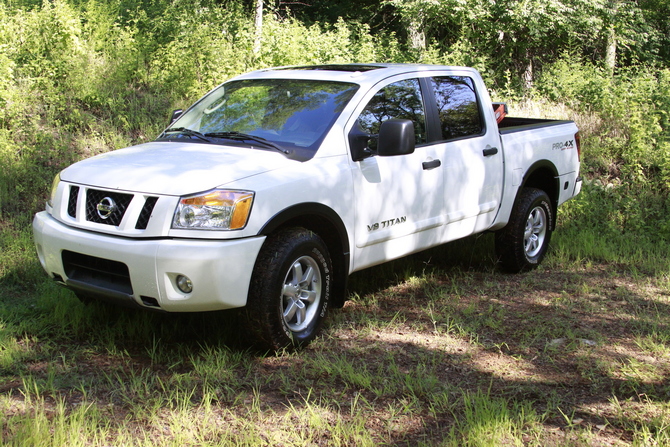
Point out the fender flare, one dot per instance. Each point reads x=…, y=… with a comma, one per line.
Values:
x=324, y=221
x=547, y=183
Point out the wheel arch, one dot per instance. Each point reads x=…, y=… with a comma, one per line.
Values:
x=325, y=222
x=544, y=175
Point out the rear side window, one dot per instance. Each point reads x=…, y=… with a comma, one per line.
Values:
x=457, y=106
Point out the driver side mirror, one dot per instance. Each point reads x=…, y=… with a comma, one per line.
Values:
x=176, y=114
x=396, y=137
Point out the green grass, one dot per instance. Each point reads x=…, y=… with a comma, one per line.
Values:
x=435, y=349
x=439, y=348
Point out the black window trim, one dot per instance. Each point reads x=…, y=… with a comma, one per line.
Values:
x=433, y=124
x=434, y=136
x=428, y=109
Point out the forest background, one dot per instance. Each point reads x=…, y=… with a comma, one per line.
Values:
x=82, y=77
x=78, y=78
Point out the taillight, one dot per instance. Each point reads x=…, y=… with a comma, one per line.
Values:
x=578, y=140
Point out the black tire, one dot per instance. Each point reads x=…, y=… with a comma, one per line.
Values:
x=290, y=289
x=522, y=244
x=85, y=299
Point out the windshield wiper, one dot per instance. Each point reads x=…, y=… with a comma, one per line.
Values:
x=239, y=136
x=187, y=132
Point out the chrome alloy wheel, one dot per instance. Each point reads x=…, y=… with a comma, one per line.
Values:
x=301, y=293
x=535, y=232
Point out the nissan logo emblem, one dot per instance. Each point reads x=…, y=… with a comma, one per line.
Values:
x=106, y=207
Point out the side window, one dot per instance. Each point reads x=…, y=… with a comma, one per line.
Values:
x=398, y=100
x=457, y=106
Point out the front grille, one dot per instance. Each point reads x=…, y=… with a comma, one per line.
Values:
x=72, y=201
x=145, y=214
x=106, y=207
x=98, y=272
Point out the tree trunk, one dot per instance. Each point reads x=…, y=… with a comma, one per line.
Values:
x=611, y=37
x=610, y=51
x=528, y=73
x=417, y=36
x=259, y=27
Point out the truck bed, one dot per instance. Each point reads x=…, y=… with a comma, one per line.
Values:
x=511, y=124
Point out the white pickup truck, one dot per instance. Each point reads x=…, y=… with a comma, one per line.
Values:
x=276, y=185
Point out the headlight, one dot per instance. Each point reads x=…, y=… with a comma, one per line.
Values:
x=214, y=210
x=54, y=188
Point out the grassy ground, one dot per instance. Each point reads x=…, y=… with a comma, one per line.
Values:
x=436, y=349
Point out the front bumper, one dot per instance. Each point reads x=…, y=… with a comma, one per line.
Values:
x=143, y=272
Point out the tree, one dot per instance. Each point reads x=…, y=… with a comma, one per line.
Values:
x=259, y=27
x=522, y=36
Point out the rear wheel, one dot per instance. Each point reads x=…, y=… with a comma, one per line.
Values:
x=290, y=290
x=522, y=244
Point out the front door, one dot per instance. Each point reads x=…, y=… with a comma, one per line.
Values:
x=399, y=203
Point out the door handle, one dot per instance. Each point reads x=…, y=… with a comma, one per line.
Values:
x=428, y=165
x=490, y=151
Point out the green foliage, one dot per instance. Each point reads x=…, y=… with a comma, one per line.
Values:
x=623, y=225
x=71, y=87
x=522, y=37
x=491, y=422
x=630, y=144
x=207, y=45
x=213, y=45
x=622, y=212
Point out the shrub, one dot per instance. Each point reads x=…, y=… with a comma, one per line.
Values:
x=632, y=141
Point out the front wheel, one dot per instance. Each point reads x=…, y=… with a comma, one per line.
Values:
x=290, y=289
x=522, y=244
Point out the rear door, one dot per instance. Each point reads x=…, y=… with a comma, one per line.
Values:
x=471, y=157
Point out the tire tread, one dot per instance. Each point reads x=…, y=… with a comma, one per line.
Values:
x=263, y=320
x=509, y=241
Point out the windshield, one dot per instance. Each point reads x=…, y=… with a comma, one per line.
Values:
x=293, y=114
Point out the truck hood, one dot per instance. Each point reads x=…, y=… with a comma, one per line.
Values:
x=172, y=168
